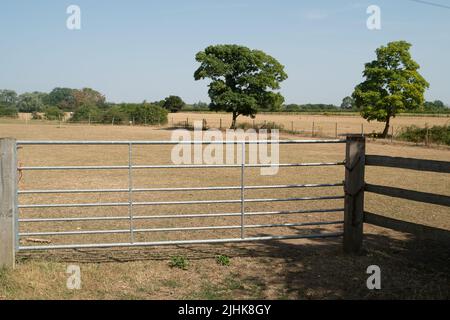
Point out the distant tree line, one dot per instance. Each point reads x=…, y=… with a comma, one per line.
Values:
x=319, y=107
x=86, y=105
x=347, y=105
x=90, y=105
x=137, y=113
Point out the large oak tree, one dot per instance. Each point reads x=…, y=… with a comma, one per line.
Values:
x=242, y=80
x=392, y=84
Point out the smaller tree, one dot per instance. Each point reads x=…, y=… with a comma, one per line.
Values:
x=144, y=113
x=31, y=102
x=133, y=111
x=158, y=103
x=153, y=114
x=8, y=111
x=200, y=106
x=435, y=106
x=347, y=103
x=438, y=104
x=63, y=98
x=53, y=113
x=87, y=113
x=292, y=107
x=8, y=103
x=88, y=96
x=115, y=115
x=392, y=85
x=173, y=103
x=8, y=98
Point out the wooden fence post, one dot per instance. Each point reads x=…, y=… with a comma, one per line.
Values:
x=8, y=202
x=354, y=193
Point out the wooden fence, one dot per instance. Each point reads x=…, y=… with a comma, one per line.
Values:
x=355, y=195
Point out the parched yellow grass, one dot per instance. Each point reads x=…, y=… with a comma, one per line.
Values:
x=261, y=270
x=323, y=125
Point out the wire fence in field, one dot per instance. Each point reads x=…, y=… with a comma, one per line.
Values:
x=305, y=125
x=303, y=128
x=317, y=125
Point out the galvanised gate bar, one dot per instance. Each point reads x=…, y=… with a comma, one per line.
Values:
x=18, y=221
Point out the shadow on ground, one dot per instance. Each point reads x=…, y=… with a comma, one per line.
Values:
x=311, y=269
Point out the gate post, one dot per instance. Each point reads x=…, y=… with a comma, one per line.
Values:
x=354, y=193
x=8, y=202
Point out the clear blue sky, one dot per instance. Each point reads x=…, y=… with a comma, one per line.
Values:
x=136, y=50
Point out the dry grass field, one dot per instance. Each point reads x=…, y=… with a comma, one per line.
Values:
x=294, y=269
x=324, y=125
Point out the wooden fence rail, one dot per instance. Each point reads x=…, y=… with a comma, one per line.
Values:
x=408, y=163
x=409, y=194
x=420, y=231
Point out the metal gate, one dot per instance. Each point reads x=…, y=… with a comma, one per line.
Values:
x=131, y=190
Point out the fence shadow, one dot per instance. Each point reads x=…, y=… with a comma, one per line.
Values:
x=312, y=269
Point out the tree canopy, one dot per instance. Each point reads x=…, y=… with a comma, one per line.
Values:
x=62, y=98
x=68, y=99
x=347, y=103
x=31, y=101
x=8, y=97
x=88, y=97
x=242, y=80
x=143, y=113
x=435, y=106
x=392, y=84
x=173, y=103
x=53, y=113
x=8, y=102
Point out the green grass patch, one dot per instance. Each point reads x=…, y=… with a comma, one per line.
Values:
x=223, y=260
x=179, y=262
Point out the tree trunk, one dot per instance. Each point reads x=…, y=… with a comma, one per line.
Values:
x=233, y=122
x=386, y=128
